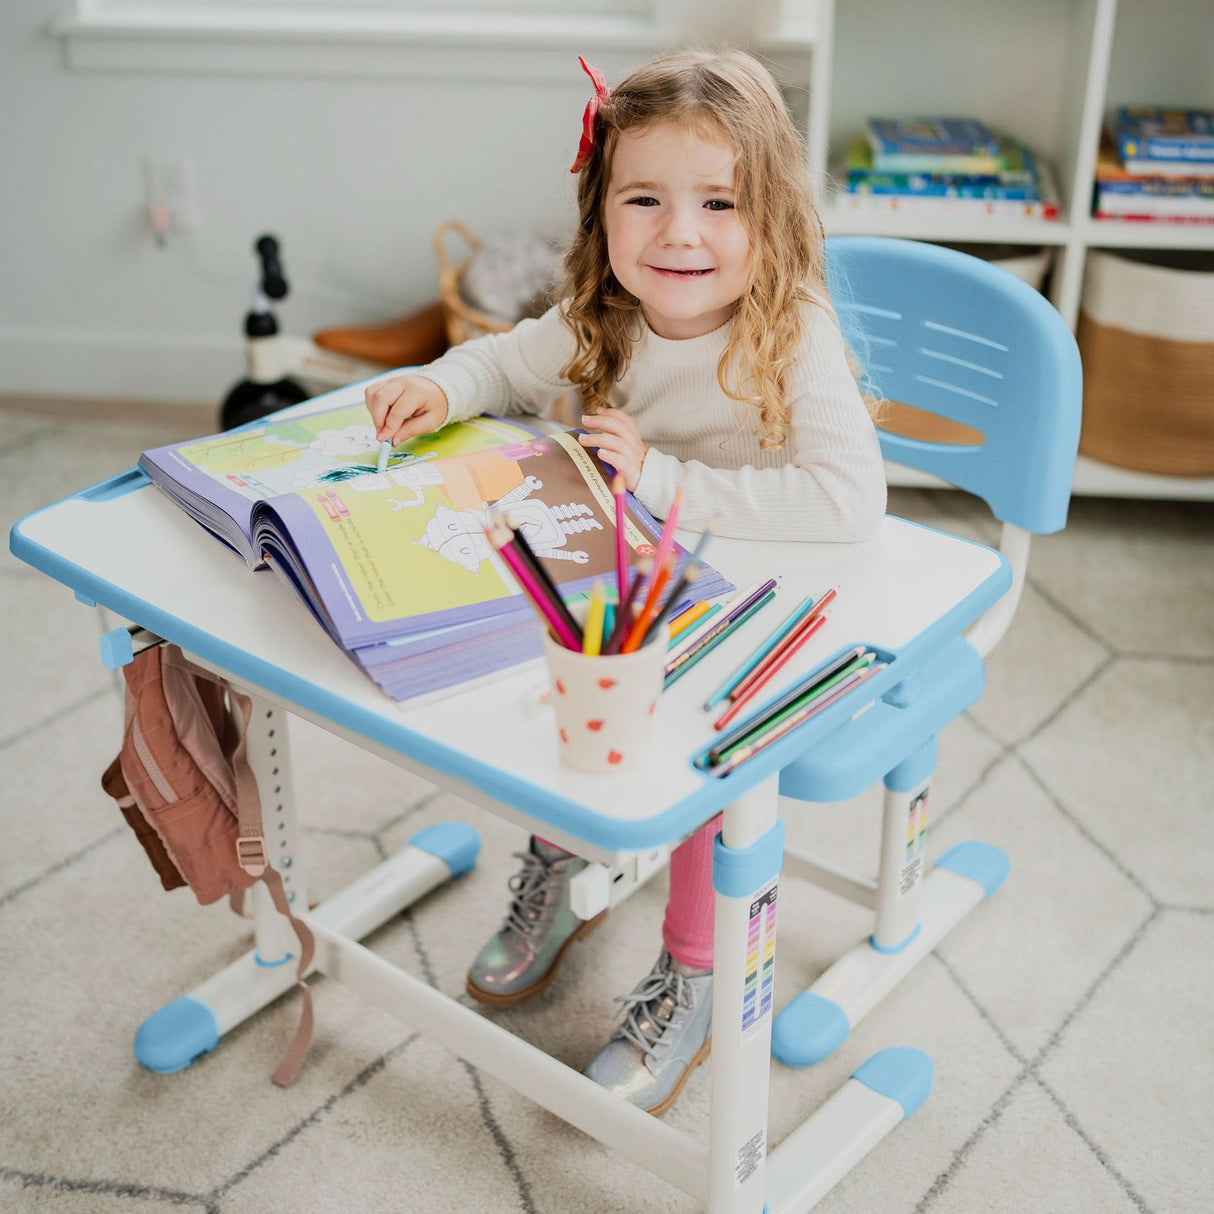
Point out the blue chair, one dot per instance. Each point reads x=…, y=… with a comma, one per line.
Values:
x=954, y=336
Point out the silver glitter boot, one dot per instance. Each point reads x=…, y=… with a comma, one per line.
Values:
x=665, y=1034
x=522, y=958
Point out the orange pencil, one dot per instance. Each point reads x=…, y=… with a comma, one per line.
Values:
x=653, y=602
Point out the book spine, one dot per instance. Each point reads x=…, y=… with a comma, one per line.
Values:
x=1170, y=148
x=923, y=187
x=1174, y=187
x=902, y=204
x=933, y=165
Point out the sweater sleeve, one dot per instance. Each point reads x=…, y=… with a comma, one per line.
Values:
x=514, y=372
x=831, y=489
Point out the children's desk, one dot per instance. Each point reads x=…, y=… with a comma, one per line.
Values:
x=906, y=592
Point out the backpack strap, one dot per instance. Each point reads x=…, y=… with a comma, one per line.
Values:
x=251, y=852
x=251, y=843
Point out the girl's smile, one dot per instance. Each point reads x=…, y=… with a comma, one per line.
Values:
x=674, y=237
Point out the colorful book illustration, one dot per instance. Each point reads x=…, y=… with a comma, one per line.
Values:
x=932, y=145
x=1153, y=139
x=396, y=565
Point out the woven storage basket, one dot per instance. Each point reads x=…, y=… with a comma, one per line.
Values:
x=463, y=321
x=1029, y=264
x=1146, y=333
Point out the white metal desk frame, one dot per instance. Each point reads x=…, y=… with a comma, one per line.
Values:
x=906, y=591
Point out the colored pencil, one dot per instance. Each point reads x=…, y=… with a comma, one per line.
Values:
x=697, y=631
x=693, y=630
x=778, y=655
x=740, y=701
x=544, y=578
x=666, y=540
x=623, y=613
x=691, y=571
x=759, y=654
x=505, y=541
x=728, y=626
x=793, y=699
x=592, y=634
x=621, y=541
x=686, y=618
x=649, y=609
x=768, y=738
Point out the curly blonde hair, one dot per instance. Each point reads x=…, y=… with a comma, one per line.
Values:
x=727, y=97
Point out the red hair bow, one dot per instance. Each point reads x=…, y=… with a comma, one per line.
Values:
x=601, y=94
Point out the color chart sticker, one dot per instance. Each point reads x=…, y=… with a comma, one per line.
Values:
x=760, y=960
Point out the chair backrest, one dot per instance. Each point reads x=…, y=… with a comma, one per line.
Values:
x=956, y=336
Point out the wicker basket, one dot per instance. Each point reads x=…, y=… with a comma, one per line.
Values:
x=1146, y=333
x=463, y=321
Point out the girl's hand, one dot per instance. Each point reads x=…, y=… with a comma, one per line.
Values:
x=405, y=407
x=618, y=440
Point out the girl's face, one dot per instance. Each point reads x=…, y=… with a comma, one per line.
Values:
x=674, y=237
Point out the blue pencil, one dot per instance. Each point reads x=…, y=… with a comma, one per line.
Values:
x=758, y=655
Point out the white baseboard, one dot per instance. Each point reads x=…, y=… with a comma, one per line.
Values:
x=173, y=368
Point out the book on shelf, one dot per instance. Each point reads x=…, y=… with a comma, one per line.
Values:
x=396, y=566
x=1121, y=194
x=1165, y=141
x=932, y=145
x=1015, y=179
x=955, y=205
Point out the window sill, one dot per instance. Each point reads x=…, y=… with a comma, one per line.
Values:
x=416, y=45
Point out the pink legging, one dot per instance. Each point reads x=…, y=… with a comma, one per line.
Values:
x=687, y=930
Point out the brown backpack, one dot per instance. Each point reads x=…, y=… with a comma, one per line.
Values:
x=184, y=785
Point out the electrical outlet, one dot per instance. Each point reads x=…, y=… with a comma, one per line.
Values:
x=170, y=194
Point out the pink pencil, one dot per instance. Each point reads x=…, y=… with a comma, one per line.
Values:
x=621, y=544
x=501, y=539
x=667, y=541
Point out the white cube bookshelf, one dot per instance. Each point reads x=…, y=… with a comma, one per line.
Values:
x=1049, y=72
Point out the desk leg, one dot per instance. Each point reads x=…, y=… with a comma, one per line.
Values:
x=170, y=1039
x=270, y=758
x=746, y=862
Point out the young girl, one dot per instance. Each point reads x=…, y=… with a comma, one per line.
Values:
x=695, y=321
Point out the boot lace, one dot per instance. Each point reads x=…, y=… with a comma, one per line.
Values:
x=649, y=1008
x=536, y=890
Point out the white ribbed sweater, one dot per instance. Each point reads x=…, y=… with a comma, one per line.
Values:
x=826, y=483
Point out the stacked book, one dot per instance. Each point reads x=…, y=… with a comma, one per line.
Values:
x=396, y=564
x=953, y=166
x=1157, y=167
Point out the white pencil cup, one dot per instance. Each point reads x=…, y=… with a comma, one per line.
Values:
x=604, y=706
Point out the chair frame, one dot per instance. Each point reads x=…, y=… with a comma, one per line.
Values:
x=914, y=309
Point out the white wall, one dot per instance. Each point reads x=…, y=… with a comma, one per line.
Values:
x=352, y=174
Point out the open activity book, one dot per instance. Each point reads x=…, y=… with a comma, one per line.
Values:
x=396, y=565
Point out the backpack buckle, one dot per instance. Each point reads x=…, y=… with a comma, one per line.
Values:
x=251, y=852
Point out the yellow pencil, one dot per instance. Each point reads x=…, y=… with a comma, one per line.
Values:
x=592, y=636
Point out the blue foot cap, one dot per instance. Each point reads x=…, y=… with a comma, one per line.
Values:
x=979, y=862
x=170, y=1039
x=809, y=1029
x=455, y=843
x=902, y=1074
